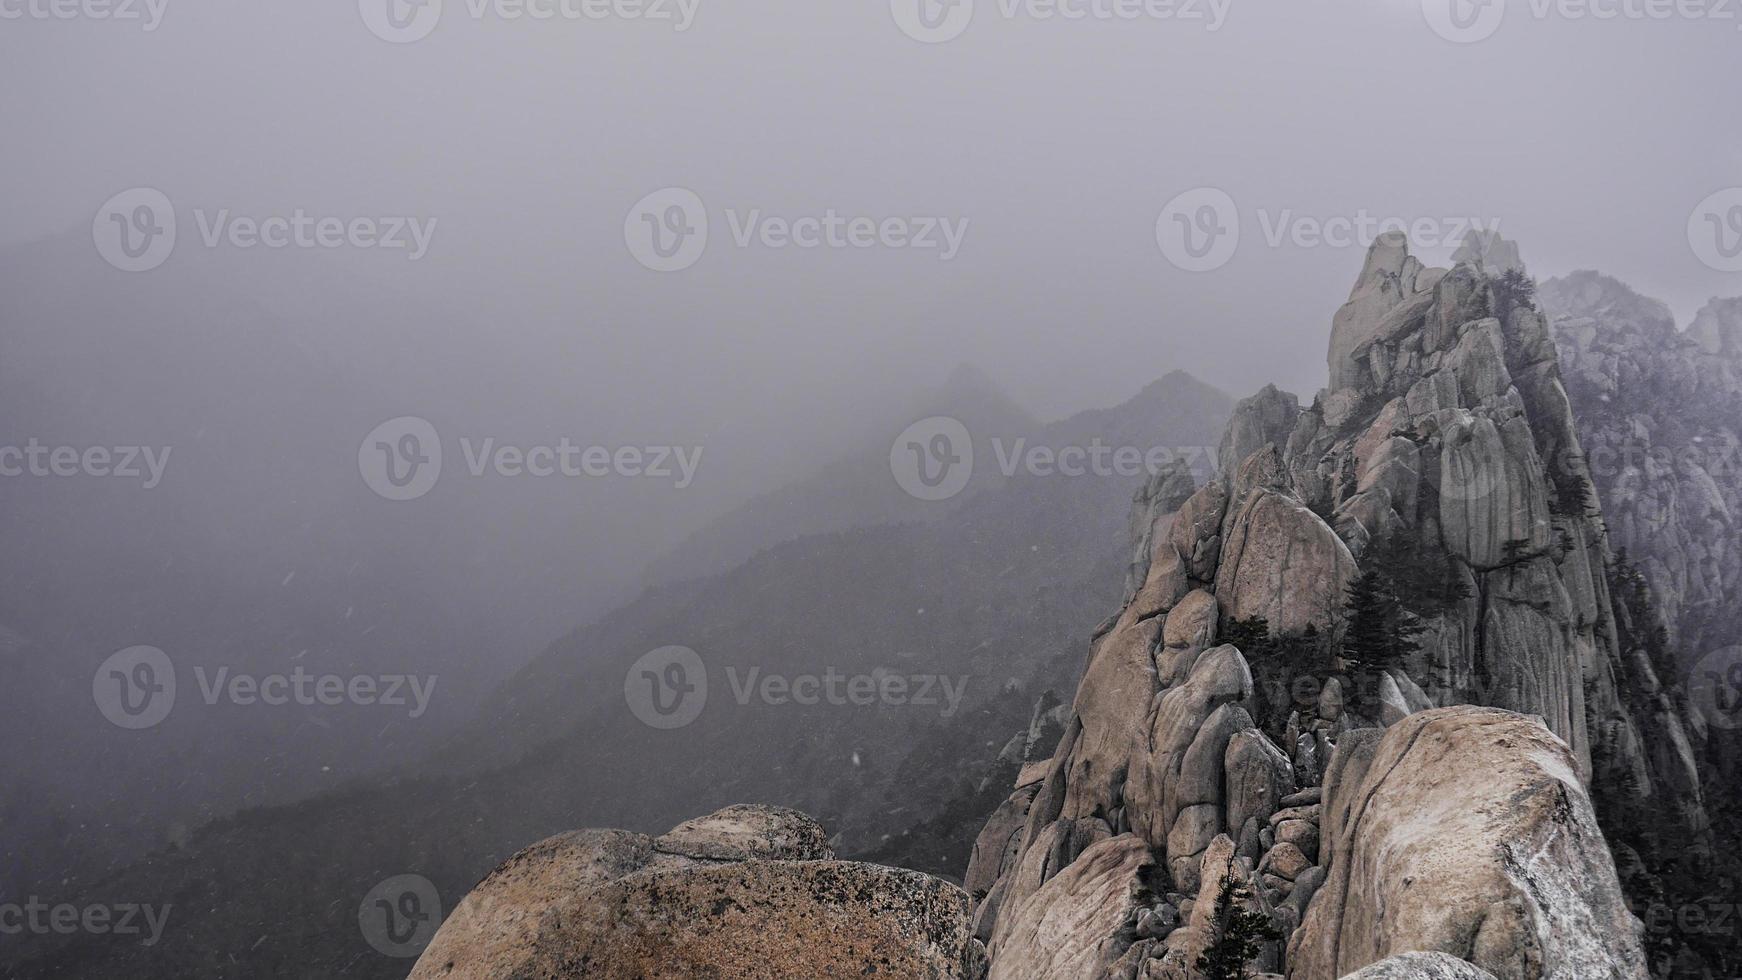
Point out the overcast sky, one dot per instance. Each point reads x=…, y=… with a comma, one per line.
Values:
x=1057, y=141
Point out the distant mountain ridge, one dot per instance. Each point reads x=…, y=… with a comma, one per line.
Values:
x=1660, y=412
x=1176, y=414
x=994, y=595
x=853, y=489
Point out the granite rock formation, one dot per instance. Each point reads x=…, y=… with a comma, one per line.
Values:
x=1370, y=813
x=747, y=892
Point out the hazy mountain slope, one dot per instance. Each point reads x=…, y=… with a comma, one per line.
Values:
x=1001, y=590
x=1660, y=414
x=1033, y=536
x=260, y=550
x=853, y=489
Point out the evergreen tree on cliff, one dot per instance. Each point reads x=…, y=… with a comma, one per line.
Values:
x=1240, y=934
x=1378, y=630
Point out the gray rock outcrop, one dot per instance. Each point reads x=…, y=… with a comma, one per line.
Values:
x=1447, y=436
x=748, y=891
x=1468, y=831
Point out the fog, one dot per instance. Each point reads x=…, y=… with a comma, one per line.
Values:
x=1033, y=156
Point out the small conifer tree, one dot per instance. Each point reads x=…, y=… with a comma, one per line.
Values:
x=1240, y=933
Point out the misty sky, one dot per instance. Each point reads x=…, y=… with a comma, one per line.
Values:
x=1058, y=141
x=1049, y=146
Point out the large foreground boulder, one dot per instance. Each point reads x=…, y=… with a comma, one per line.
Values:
x=749, y=891
x=765, y=919
x=1466, y=831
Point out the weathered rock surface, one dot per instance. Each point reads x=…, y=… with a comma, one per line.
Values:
x=493, y=931
x=1071, y=927
x=1283, y=563
x=998, y=839
x=765, y=918
x=735, y=894
x=749, y=832
x=1421, y=966
x=1469, y=832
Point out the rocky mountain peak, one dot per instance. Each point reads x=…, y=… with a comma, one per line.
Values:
x=971, y=394
x=1601, y=301
x=1489, y=251
x=1226, y=729
x=1718, y=327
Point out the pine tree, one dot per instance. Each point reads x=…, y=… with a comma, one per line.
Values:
x=1572, y=497
x=1240, y=933
x=1514, y=290
x=1251, y=635
x=1378, y=629
x=1424, y=580
x=1367, y=606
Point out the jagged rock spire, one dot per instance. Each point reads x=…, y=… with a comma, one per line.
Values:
x=1446, y=435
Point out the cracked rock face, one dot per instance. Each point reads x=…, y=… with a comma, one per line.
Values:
x=1469, y=832
x=1281, y=562
x=1069, y=928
